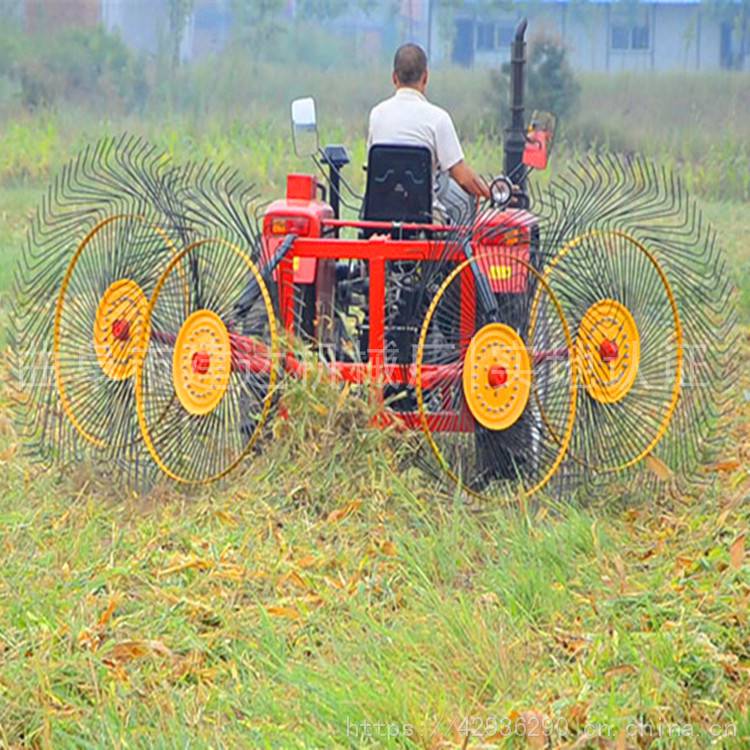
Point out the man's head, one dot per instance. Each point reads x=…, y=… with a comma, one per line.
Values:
x=410, y=67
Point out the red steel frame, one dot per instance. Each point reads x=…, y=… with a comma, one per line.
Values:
x=376, y=252
x=301, y=213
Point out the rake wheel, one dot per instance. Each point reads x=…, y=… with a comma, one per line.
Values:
x=93, y=254
x=206, y=377
x=631, y=195
x=99, y=326
x=629, y=346
x=504, y=442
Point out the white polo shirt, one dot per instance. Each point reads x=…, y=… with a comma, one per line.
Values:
x=408, y=118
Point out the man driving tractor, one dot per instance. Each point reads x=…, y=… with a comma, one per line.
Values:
x=408, y=118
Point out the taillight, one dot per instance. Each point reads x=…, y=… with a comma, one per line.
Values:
x=299, y=225
x=515, y=237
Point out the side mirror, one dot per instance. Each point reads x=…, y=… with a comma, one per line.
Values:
x=304, y=127
x=539, y=140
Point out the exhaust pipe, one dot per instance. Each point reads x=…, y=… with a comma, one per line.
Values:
x=515, y=134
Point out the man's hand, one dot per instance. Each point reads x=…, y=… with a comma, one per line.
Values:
x=469, y=180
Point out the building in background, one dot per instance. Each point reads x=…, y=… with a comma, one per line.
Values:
x=43, y=15
x=600, y=35
x=143, y=24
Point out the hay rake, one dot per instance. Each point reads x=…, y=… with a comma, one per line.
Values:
x=93, y=253
x=154, y=315
x=583, y=337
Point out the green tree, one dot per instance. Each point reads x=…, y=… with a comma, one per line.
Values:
x=551, y=85
x=317, y=9
x=256, y=24
x=259, y=25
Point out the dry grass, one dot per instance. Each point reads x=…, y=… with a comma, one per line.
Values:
x=330, y=596
x=327, y=594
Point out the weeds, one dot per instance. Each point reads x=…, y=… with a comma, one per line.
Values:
x=330, y=595
x=322, y=599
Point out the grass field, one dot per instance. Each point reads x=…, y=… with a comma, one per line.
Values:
x=324, y=599
x=330, y=597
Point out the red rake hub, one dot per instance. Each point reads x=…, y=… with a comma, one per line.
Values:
x=121, y=329
x=497, y=376
x=608, y=351
x=201, y=363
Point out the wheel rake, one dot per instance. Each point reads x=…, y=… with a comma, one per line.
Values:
x=646, y=290
x=94, y=252
x=149, y=311
x=206, y=378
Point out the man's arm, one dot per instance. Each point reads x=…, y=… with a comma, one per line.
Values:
x=451, y=158
x=469, y=180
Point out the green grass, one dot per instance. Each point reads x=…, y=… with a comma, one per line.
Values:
x=325, y=591
x=248, y=616
x=16, y=210
x=732, y=221
x=328, y=591
x=237, y=110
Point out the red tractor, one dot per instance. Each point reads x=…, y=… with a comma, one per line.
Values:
x=364, y=303
x=155, y=314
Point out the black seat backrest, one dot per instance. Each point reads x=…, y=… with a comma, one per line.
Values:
x=399, y=184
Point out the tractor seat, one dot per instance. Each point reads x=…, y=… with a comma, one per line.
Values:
x=399, y=185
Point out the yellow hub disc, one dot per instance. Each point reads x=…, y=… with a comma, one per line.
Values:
x=497, y=376
x=202, y=362
x=118, y=328
x=609, y=350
